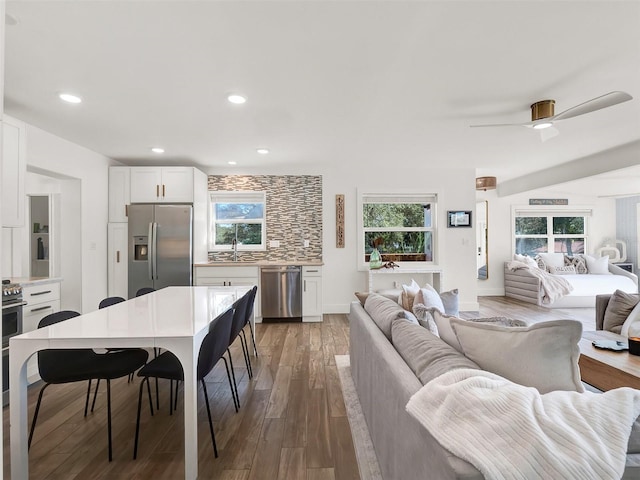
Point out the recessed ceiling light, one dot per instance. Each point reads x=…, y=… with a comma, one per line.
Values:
x=263, y=151
x=540, y=126
x=237, y=99
x=231, y=162
x=157, y=150
x=70, y=98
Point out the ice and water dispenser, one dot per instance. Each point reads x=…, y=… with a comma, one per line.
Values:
x=140, y=249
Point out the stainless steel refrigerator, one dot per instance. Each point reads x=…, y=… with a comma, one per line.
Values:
x=160, y=246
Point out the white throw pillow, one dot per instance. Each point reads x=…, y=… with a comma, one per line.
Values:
x=526, y=259
x=597, y=265
x=408, y=295
x=566, y=270
x=631, y=326
x=552, y=260
x=429, y=297
x=543, y=355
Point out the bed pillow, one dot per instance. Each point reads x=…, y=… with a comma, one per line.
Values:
x=526, y=259
x=578, y=262
x=564, y=270
x=618, y=310
x=383, y=311
x=425, y=354
x=542, y=355
x=552, y=260
x=597, y=265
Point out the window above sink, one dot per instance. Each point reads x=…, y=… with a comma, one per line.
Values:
x=239, y=216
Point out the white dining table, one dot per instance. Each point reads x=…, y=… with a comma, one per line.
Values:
x=173, y=318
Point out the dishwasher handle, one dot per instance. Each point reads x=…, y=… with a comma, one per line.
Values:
x=281, y=269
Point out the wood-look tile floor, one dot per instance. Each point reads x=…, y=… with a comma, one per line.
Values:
x=292, y=423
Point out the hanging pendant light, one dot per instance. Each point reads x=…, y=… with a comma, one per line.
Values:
x=486, y=183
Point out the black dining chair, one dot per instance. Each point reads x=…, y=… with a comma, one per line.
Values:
x=58, y=366
x=240, y=309
x=168, y=366
x=249, y=314
x=144, y=291
x=104, y=303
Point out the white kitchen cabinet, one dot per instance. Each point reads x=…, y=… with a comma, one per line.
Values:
x=162, y=185
x=119, y=193
x=117, y=265
x=311, y=294
x=14, y=168
x=42, y=299
x=230, y=276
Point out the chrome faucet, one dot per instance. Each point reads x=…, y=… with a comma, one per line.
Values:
x=234, y=245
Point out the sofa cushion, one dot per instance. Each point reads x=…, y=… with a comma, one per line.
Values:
x=543, y=355
x=446, y=333
x=425, y=354
x=551, y=260
x=618, y=310
x=526, y=259
x=383, y=311
x=597, y=265
x=631, y=326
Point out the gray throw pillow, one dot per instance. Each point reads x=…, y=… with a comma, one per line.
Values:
x=383, y=311
x=425, y=354
x=618, y=309
x=451, y=302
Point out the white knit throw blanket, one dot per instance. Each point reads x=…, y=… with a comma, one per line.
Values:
x=508, y=431
x=553, y=286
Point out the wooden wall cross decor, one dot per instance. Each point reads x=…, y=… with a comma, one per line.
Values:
x=339, y=220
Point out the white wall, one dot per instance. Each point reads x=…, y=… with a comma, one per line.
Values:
x=601, y=225
x=341, y=277
x=83, y=174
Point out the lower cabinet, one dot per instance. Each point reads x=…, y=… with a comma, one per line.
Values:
x=311, y=294
x=230, y=277
x=117, y=265
x=42, y=299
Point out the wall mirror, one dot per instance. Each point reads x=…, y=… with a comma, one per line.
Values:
x=482, y=239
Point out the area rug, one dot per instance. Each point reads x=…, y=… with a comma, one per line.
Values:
x=365, y=453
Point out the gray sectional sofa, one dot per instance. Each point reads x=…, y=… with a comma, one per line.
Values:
x=385, y=382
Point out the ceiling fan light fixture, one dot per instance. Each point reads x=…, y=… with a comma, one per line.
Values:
x=543, y=125
x=486, y=183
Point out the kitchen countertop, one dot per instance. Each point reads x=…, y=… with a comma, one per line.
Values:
x=25, y=281
x=260, y=263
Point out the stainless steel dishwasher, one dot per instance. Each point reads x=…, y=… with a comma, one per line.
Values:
x=281, y=291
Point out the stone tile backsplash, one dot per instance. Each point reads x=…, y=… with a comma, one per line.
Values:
x=294, y=214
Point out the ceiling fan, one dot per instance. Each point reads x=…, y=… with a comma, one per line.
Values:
x=542, y=112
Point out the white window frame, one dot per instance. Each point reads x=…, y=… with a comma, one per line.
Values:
x=399, y=197
x=550, y=212
x=220, y=196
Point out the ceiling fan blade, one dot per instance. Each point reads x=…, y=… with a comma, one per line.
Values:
x=598, y=103
x=501, y=125
x=548, y=133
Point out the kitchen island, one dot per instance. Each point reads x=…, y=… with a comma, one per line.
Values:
x=173, y=318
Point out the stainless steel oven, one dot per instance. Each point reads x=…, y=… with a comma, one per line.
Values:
x=11, y=325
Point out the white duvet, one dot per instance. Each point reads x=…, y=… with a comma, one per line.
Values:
x=591, y=285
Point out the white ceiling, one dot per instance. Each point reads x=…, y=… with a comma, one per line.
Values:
x=328, y=82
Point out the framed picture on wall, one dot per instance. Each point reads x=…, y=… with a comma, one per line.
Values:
x=459, y=218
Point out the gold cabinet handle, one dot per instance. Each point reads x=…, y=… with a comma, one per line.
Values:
x=157, y=190
x=163, y=190
x=117, y=256
x=126, y=210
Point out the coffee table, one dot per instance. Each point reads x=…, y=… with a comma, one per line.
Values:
x=606, y=369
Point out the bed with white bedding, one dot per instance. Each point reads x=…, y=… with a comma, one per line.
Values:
x=523, y=285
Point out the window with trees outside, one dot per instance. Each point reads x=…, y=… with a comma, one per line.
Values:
x=401, y=227
x=239, y=216
x=561, y=232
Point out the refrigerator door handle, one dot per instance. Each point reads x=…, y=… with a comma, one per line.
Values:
x=150, y=251
x=155, y=250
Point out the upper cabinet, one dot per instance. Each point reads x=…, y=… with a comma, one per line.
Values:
x=162, y=185
x=119, y=193
x=14, y=167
